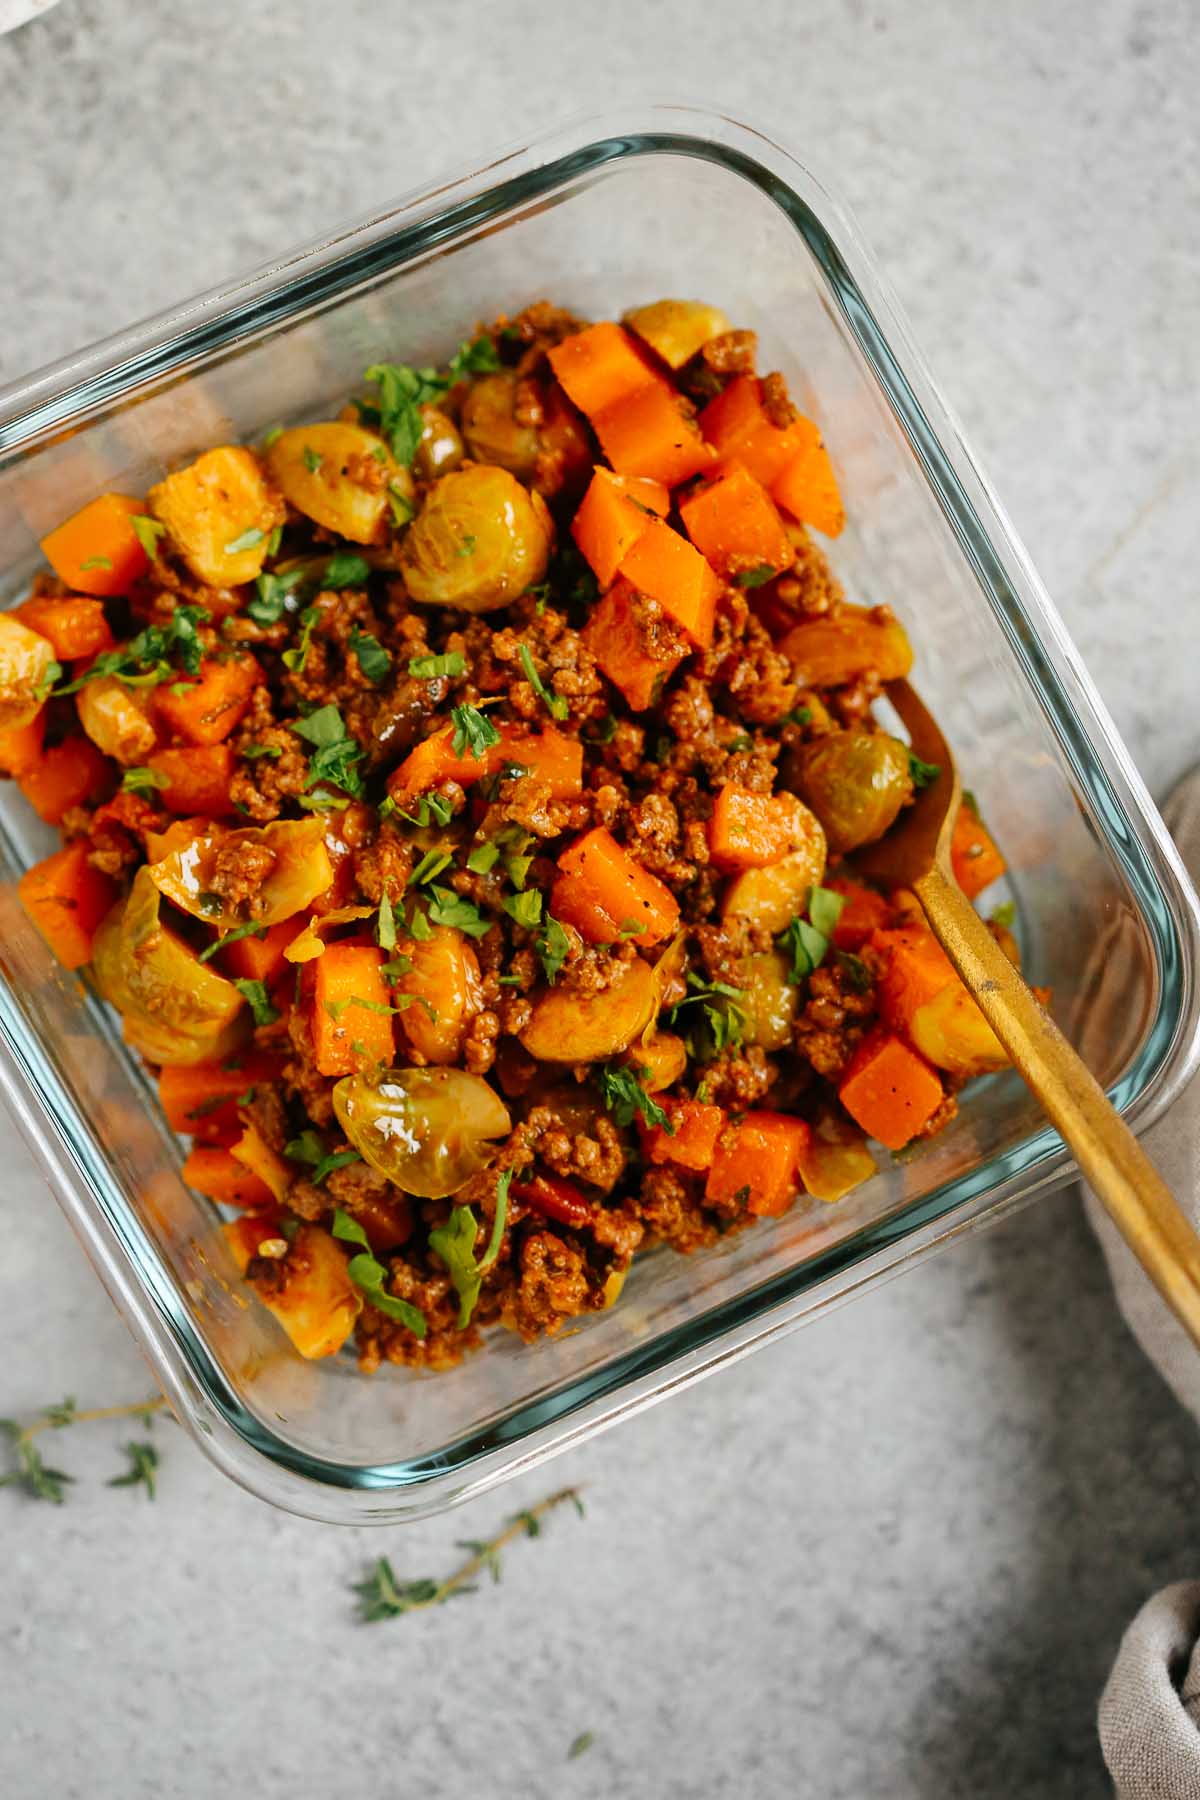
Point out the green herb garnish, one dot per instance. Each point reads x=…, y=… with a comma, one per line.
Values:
x=254, y=929
x=450, y=909
x=367, y=1273
x=625, y=1096
x=254, y=993
x=923, y=773
x=756, y=577
x=142, y=780
x=525, y=908
x=473, y=731
x=428, y=668
x=296, y=658
x=148, y=532
x=337, y=754
x=345, y=570
x=373, y=659
x=454, y=1242
x=555, y=704
x=552, y=945
x=142, y=1470
x=246, y=541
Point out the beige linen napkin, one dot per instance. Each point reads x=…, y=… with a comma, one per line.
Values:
x=1150, y=1709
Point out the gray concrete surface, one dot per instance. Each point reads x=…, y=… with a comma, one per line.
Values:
x=894, y=1555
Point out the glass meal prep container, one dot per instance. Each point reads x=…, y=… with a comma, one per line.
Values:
x=598, y=217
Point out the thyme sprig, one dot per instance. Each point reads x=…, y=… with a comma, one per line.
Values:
x=383, y=1594
x=31, y=1472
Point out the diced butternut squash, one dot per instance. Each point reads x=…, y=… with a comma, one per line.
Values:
x=633, y=644
x=863, y=912
x=21, y=745
x=654, y=433
x=219, y=513
x=206, y=710
x=922, y=998
x=351, y=1010
x=889, y=1089
x=549, y=755
x=607, y=895
x=973, y=854
x=261, y=958
x=25, y=672
x=97, y=550
x=752, y=831
x=612, y=516
x=312, y=1295
x=677, y=329
x=733, y=522
x=757, y=1161
x=664, y=565
x=217, y=1174
x=74, y=627
x=66, y=898
x=840, y=646
x=808, y=489
x=444, y=989
x=600, y=367
x=740, y=429
x=697, y=1126
x=201, y=1101
x=64, y=776
x=197, y=779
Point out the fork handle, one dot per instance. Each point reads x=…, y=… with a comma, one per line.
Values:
x=1120, y=1173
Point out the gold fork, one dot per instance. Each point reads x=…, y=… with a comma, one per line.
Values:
x=916, y=854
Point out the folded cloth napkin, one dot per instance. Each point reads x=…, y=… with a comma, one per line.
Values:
x=1150, y=1709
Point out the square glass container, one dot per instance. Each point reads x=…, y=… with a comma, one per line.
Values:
x=674, y=200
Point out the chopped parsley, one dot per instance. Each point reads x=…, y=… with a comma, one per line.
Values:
x=373, y=659
x=721, y=1018
x=473, y=731
x=799, y=715
x=270, y=601
x=430, y=866
x=345, y=570
x=253, y=752
x=454, y=1242
x=142, y=781
x=403, y=391
x=429, y=807
x=337, y=754
x=155, y=655
x=483, y=858
x=555, y=704
x=756, y=577
x=806, y=941
x=1005, y=914
x=474, y=356
x=525, y=909
x=428, y=668
x=625, y=1096
x=923, y=773
x=97, y=562
x=312, y=461
x=254, y=993
x=448, y=908
x=552, y=946
x=247, y=540
x=148, y=531
x=296, y=658
x=368, y=1274
x=385, y=924
x=309, y=1148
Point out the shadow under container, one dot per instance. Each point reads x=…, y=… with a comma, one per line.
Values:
x=598, y=217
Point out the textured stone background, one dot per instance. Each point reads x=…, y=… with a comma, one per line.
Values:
x=891, y=1556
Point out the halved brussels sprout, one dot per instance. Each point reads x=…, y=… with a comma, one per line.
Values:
x=579, y=1028
x=770, y=1002
x=117, y=719
x=338, y=475
x=492, y=433
x=292, y=869
x=856, y=782
x=176, y=1009
x=25, y=660
x=676, y=329
x=428, y=1130
x=440, y=447
x=479, y=541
